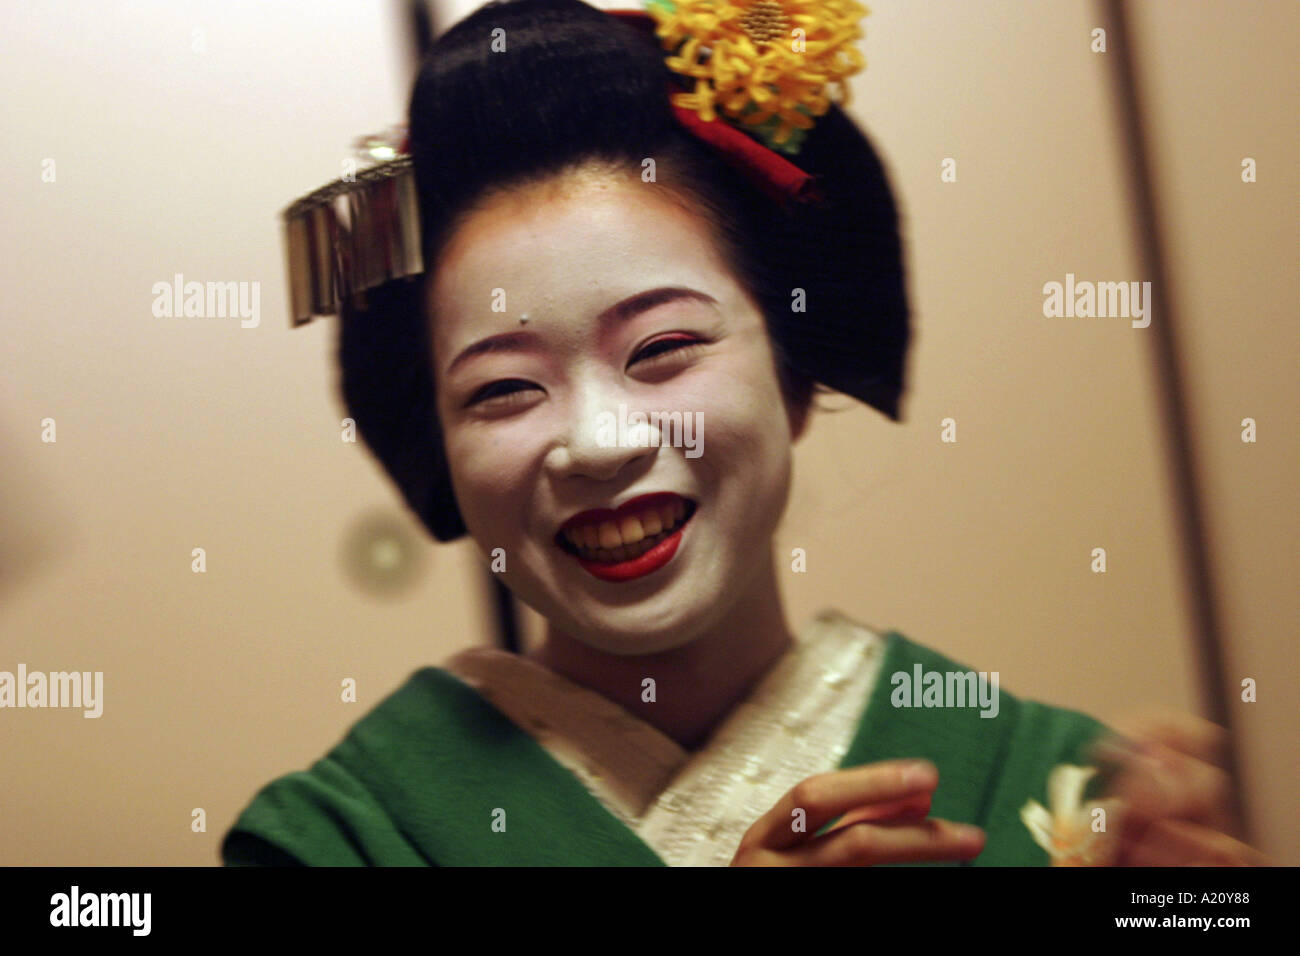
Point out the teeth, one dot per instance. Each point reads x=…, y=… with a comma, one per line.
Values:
x=623, y=552
x=631, y=530
x=609, y=536
x=630, y=537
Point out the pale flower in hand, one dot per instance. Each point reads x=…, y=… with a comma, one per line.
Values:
x=1072, y=833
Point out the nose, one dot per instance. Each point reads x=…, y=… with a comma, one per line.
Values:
x=594, y=438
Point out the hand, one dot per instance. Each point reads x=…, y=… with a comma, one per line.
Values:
x=885, y=807
x=1177, y=801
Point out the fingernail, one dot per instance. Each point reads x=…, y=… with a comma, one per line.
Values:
x=919, y=772
x=971, y=834
x=1116, y=750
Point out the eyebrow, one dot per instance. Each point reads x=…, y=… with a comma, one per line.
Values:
x=620, y=312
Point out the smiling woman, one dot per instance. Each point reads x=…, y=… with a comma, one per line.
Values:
x=590, y=250
x=587, y=258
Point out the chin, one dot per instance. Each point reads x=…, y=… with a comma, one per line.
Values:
x=636, y=645
x=624, y=644
x=622, y=632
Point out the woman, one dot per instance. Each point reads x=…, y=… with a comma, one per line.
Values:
x=625, y=320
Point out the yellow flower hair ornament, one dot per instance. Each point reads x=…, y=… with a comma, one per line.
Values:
x=768, y=66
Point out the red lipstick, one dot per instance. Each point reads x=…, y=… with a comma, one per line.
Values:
x=655, y=557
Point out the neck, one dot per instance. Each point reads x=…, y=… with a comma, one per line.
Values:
x=696, y=685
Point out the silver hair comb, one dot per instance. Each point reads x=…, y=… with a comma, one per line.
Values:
x=355, y=233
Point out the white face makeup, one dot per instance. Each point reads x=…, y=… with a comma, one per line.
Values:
x=532, y=451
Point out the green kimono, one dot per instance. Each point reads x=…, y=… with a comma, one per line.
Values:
x=420, y=779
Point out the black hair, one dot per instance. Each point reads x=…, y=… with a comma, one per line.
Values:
x=573, y=86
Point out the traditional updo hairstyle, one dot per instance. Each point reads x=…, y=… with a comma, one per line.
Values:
x=576, y=85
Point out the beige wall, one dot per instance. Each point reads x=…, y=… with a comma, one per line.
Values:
x=177, y=434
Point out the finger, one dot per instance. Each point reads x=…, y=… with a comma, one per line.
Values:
x=825, y=796
x=1182, y=843
x=907, y=809
x=1168, y=784
x=869, y=844
x=1185, y=733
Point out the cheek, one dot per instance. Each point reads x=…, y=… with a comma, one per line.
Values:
x=489, y=469
x=741, y=401
x=744, y=436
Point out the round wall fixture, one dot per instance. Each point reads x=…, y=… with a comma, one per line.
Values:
x=382, y=553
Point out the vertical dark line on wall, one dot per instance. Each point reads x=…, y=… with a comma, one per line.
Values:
x=503, y=606
x=1170, y=386
x=422, y=29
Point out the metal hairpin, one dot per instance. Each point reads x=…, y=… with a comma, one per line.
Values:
x=353, y=234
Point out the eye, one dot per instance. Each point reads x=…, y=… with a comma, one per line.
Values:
x=510, y=391
x=500, y=394
x=679, y=342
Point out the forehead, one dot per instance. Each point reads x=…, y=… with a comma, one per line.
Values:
x=575, y=244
